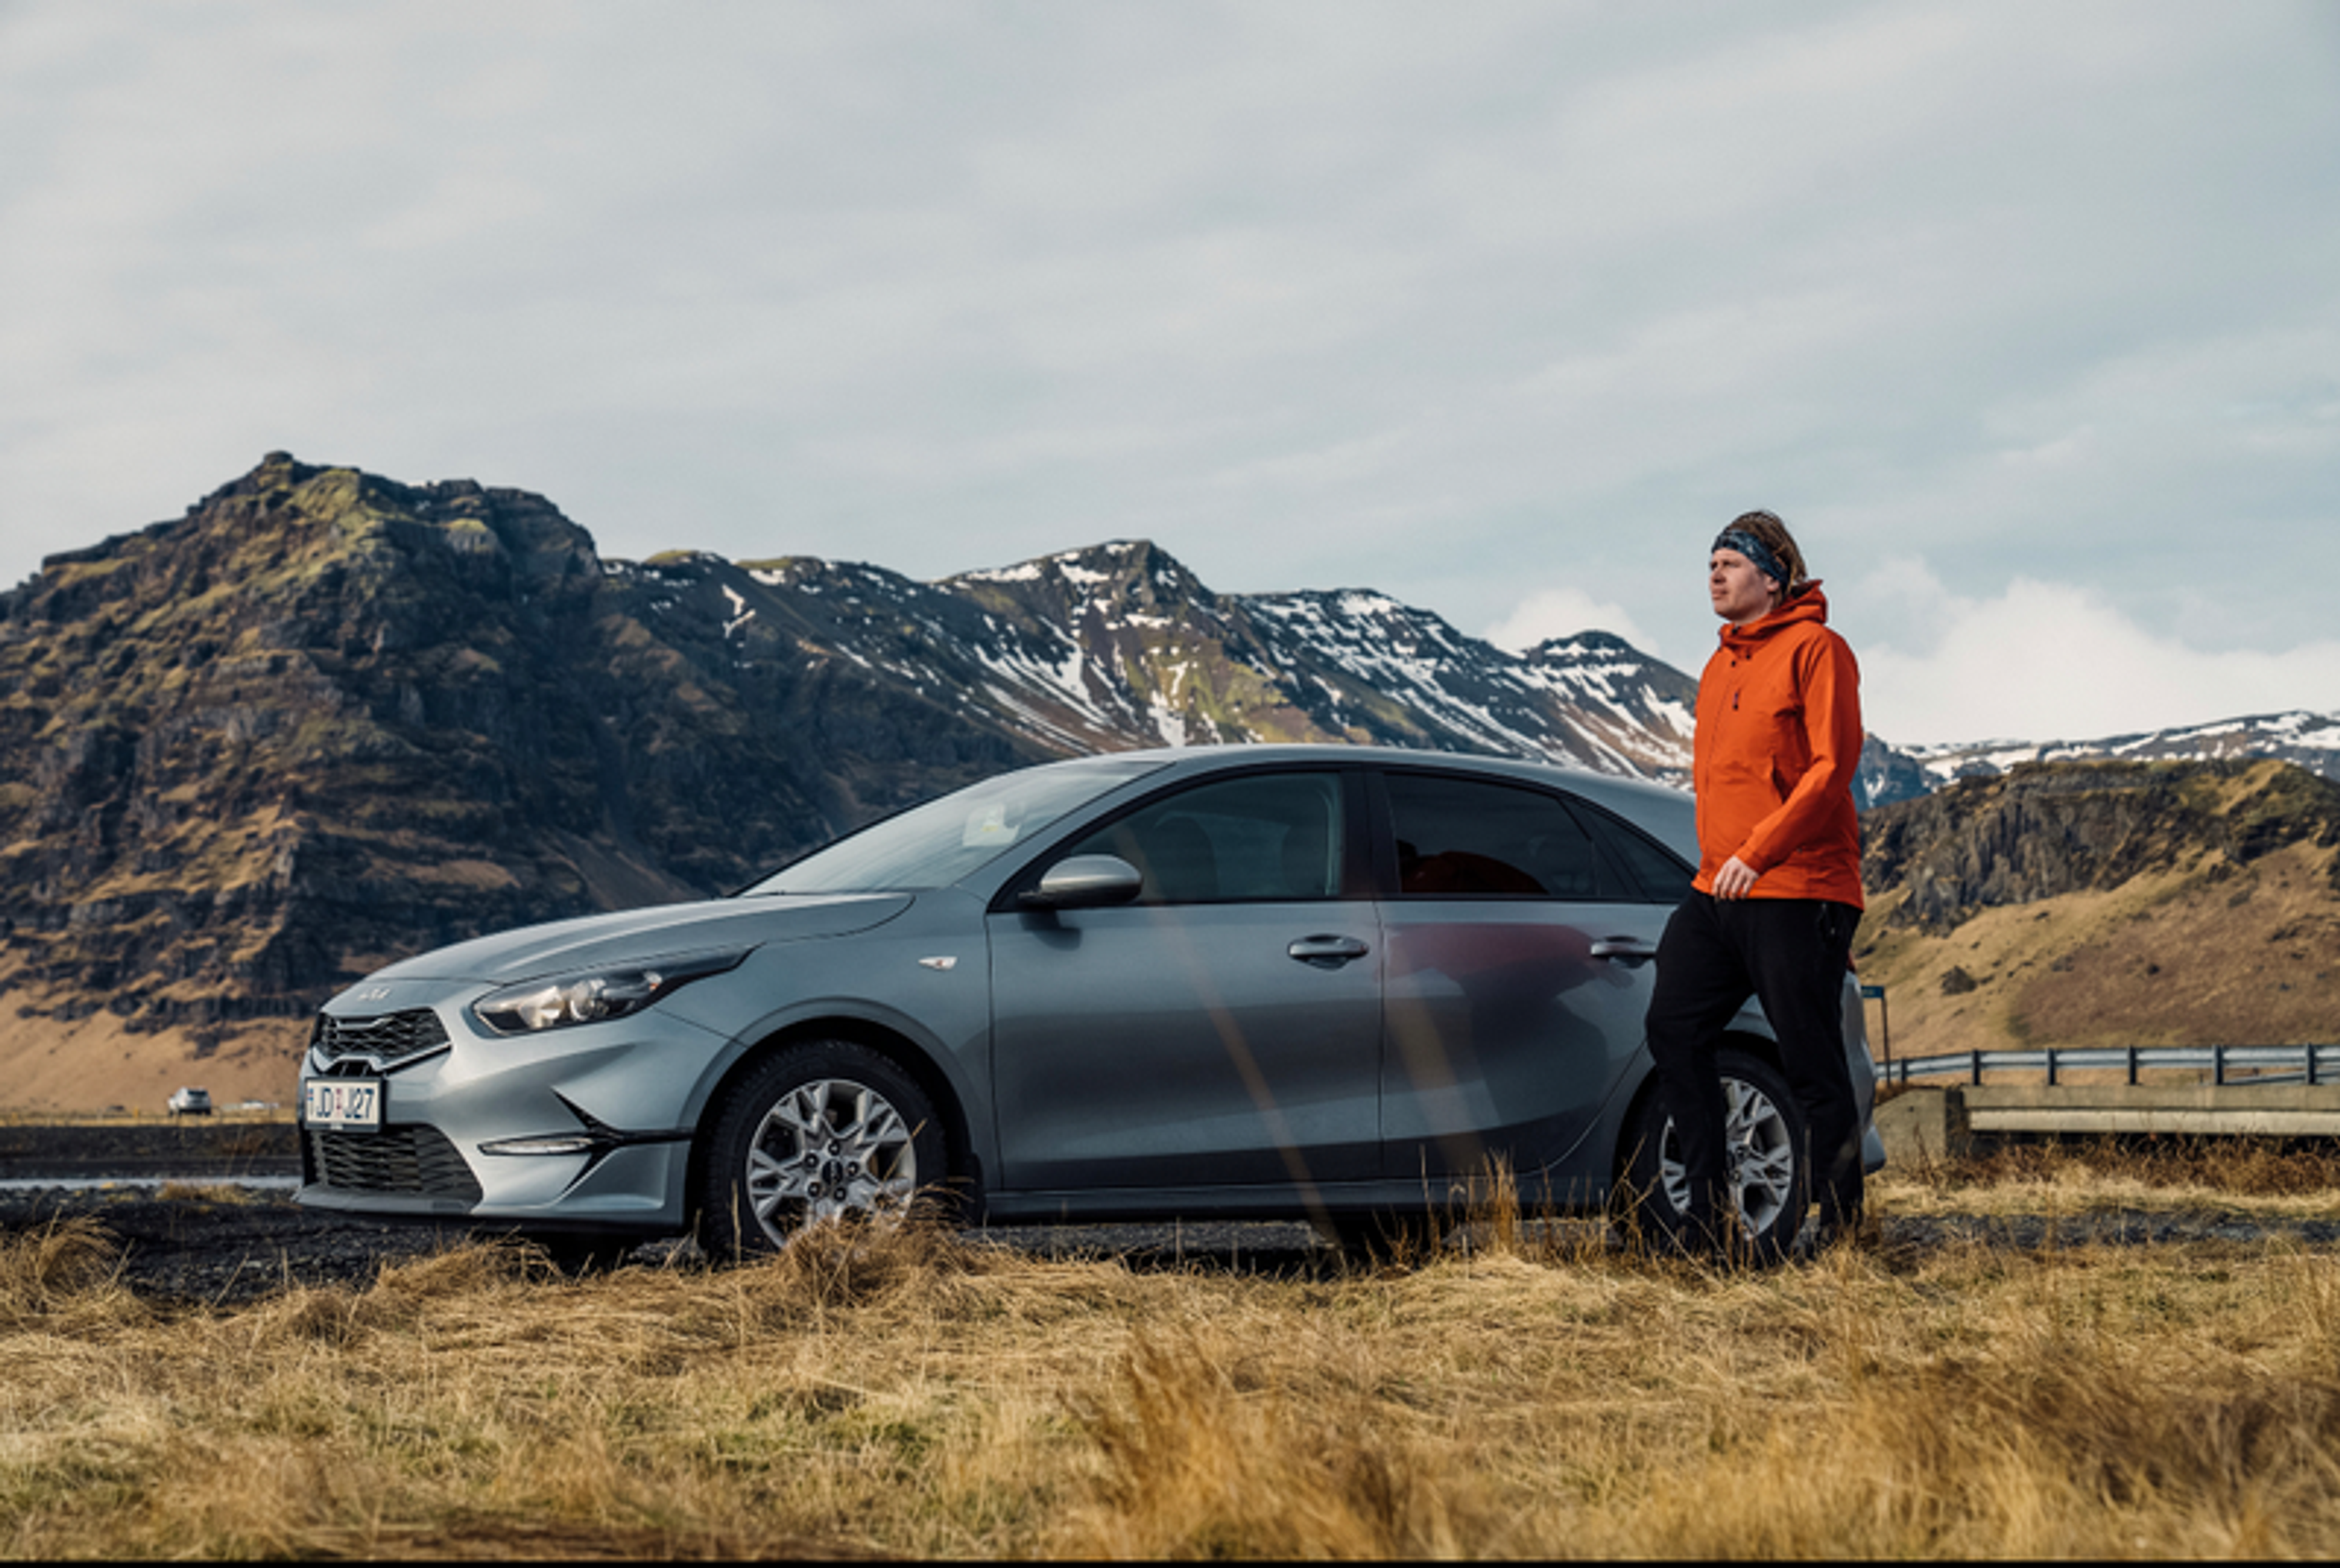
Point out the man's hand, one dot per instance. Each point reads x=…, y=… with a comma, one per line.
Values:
x=1735, y=879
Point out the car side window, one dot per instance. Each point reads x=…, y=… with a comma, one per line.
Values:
x=1262, y=838
x=1463, y=837
x=1663, y=878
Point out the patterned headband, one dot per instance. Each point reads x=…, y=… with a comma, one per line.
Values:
x=1754, y=549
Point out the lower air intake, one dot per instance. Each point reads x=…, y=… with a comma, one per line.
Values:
x=407, y=1161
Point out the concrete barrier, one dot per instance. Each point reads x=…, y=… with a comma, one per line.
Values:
x=1922, y=1124
x=2262, y=1110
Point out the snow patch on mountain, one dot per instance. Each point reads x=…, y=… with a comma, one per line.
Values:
x=1118, y=645
x=2310, y=740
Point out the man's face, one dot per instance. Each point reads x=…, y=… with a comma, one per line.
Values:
x=1740, y=592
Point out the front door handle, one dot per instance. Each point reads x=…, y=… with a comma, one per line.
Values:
x=1627, y=951
x=1327, y=952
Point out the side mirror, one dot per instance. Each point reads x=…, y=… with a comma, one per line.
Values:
x=1086, y=882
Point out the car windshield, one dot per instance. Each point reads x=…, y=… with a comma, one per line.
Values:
x=935, y=844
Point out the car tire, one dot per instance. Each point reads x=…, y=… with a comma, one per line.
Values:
x=816, y=1132
x=1769, y=1172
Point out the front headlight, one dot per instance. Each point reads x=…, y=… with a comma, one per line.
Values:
x=594, y=997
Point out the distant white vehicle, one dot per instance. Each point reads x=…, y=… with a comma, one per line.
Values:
x=191, y=1102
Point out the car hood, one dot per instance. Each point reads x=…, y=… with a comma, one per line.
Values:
x=637, y=935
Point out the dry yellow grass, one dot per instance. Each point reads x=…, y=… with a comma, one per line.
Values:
x=905, y=1394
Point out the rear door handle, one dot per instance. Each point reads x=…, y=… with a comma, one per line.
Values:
x=1624, y=949
x=1327, y=952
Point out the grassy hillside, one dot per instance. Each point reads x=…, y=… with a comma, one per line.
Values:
x=2107, y=904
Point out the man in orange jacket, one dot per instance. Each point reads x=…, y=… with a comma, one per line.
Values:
x=1777, y=893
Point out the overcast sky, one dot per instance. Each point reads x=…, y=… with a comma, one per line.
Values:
x=2026, y=317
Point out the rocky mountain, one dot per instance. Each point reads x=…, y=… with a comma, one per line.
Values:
x=2111, y=903
x=326, y=719
x=1120, y=646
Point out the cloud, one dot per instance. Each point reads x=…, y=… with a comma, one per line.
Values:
x=1449, y=302
x=2051, y=662
x=1560, y=613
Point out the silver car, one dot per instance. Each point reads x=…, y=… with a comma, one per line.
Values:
x=1321, y=982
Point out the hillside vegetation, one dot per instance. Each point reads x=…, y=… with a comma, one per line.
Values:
x=2108, y=904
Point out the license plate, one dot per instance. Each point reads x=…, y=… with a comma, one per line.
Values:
x=343, y=1105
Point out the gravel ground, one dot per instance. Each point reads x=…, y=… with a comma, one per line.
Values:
x=217, y=1240
x=232, y=1246
x=225, y=1245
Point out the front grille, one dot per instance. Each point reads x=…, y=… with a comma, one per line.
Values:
x=407, y=1161
x=386, y=1040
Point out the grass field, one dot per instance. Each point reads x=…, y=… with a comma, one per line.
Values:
x=1537, y=1395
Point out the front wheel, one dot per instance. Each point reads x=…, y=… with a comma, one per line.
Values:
x=1766, y=1168
x=818, y=1132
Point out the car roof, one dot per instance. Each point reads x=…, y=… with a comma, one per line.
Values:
x=1604, y=786
x=1655, y=808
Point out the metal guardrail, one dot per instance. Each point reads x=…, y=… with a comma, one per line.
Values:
x=2261, y=1064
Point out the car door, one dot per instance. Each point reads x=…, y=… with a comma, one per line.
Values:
x=1517, y=972
x=1223, y=1029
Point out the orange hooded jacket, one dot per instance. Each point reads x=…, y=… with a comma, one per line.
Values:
x=1777, y=743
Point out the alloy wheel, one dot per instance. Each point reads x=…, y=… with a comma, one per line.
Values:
x=829, y=1148
x=1761, y=1153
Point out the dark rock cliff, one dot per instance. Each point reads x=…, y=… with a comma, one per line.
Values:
x=325, y=718
x=2050, y=827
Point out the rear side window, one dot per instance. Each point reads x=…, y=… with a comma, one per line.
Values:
x=1464, y=837
x=1260, y=839
x=1663, y=880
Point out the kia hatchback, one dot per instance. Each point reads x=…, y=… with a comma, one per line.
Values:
x=1325, y=982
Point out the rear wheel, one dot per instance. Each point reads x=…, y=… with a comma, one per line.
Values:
x=1765, y=1170
x=818, y=1132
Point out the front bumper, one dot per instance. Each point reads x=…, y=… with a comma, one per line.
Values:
x=617, y=1093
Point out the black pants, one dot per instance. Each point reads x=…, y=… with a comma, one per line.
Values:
x=1790, y=954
